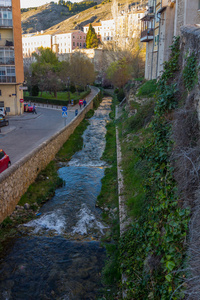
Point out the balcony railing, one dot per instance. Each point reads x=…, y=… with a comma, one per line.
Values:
x=7, y=79
x=6, y=23
x=5, y=3
x=6, y=43
x=7, y=61
x=147, y=35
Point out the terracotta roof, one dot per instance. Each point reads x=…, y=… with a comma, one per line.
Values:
x=93, y=24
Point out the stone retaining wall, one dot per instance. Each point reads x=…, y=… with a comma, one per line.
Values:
x=15, y=181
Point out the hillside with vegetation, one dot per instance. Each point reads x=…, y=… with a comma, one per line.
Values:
x=58, y=18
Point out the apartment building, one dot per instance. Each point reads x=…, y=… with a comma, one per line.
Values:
x=31, y=42
x=97, y=27
x=59, y=43
x=121, y=29
x=161, y=22
x=108, y=30
x=11, y=59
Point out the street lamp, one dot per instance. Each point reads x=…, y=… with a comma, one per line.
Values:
x=68, y=82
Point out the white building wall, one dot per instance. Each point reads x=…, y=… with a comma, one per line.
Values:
x=31, y=43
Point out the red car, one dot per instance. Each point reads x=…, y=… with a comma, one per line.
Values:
x=28, y=107
x=4, y=161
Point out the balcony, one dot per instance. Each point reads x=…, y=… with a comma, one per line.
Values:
x=6, y=23
x=6, y=43
x=5, y=3
x=7, y=61
x=147, y=35
x=7, y=79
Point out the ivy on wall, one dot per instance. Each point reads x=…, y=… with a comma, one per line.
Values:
x=152, y=251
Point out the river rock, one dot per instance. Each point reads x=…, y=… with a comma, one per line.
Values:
x=27, y=206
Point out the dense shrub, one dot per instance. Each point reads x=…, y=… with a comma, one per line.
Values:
x=148, y=89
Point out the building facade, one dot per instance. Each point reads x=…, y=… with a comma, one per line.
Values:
x=11, y=59
x=125, y=26
x=162, y=21
x=97, y=27
x=59, y=43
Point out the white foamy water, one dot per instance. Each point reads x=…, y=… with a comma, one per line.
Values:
x=50, y=221
x=91, y=163
x=87, y=221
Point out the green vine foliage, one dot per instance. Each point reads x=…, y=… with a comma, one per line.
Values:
x=153, y=250
x=190, y=72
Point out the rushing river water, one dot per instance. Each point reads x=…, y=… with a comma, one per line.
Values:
x=60, y=256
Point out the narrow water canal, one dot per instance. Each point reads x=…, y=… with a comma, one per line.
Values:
x=59, y=255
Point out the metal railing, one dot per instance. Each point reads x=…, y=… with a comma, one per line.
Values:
x=147, y=32
x=7, y=79
x=6, y=23
x=4, y=3
x=7, y=61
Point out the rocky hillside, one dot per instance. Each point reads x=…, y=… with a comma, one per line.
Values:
x=56, y=18
x=43, y=17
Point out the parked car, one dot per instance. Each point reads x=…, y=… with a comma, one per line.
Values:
x=3, y=121
x=4, y=161
x=2, y=111
x=28, y=107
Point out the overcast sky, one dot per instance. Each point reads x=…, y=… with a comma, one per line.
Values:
x=33, y=3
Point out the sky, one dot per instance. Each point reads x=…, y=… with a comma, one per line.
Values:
x=34, y=3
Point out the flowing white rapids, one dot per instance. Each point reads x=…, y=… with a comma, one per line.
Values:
x=48, y=221
x=94, y=139
x=86, y=221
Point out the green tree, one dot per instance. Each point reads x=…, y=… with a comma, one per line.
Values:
x=119, y=72
x=45, y=71
x=82, y=70
x=91, y=38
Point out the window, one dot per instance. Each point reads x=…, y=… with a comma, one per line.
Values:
x=1, y=154
x=73, y=43
x=77, y=44
x=0, y=92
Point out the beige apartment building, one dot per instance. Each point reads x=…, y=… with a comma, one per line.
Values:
x=11, y=59
x=161, y=22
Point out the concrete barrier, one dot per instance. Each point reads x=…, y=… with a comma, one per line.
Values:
x=15, y=181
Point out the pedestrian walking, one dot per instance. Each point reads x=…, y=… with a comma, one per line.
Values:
x=34, y=110
x=80, y=103
x=84, y=103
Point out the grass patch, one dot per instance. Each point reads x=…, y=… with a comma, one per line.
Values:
x=148, y=89
x=142, y=117
x=133, y=135
x=44, y=186
x=108, y=198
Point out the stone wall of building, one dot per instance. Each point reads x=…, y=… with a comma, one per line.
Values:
x=190, y=37
x=15, y=181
